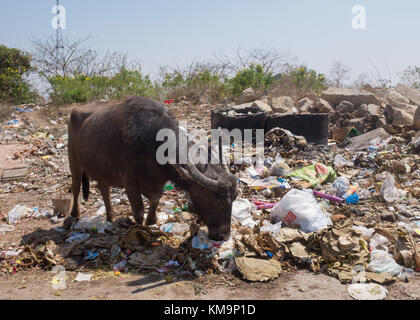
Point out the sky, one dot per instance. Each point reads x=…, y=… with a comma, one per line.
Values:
x=168, y=32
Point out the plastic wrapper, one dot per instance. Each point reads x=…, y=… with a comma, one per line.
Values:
x=300, y=207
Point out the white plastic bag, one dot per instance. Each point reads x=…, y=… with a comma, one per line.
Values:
x=273, y=228
x=381, y=261
x=340, y=161
x=241, y=212
x=379, y=242
x=389, y=191
x=93, y=223
x=17, y=213
x=300, y=207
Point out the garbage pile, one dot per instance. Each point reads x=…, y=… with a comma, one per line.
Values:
x=338, y=209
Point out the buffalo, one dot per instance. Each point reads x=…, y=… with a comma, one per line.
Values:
x=115, y=144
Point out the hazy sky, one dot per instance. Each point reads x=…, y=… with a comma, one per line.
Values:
x=178, y=31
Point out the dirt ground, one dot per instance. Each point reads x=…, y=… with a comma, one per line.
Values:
x=36, y=284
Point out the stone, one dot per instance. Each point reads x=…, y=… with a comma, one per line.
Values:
x=322, y=106
x=258, y=269
x=248, y=95
x=394, y=96
x=400, y=114
x=362, y=142
x=356, y=96
x=388, y=216
x=283, y=105
x=416, y=119
x=305, y=105
x=373, y=110
x=345, y=107
x=412, y=94
x=262, y=106
x=358, y=123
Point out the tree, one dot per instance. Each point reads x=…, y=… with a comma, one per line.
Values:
x=15, y=65
x=339, y=73
x=74, y=59
x=411, y=77
x=271, y=59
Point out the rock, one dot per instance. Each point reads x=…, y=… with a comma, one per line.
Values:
x=258, y=269
x=356, y=96
x=345, y=107
x=305, y=105
x=322, y=106
x=248, y=95
x=373, y=110
x=283, y=105
x=262, y=106
x=400, y=114
x=412, y=94
x=358, y=123
x=255, y=104
x=388, y=216
x=417, y=119
x=394, y=96
x=362, y=142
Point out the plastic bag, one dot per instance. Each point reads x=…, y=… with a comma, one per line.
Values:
x=366, y=232
x=379, y=241
x=381, y=261
x=389, y=192
x=340, y=161
x=6, y=228
x=279, y=168
x=77, y=237
x=315, y=174
x=340, y=186
x=175, y=228
x=200, y=241
x=241, y=212
x=17, y=213
x=93, y=223
x=300, y=207
x=273, y=228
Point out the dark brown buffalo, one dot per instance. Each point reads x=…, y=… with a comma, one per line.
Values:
x=115, y=144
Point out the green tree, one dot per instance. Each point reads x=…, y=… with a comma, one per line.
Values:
x=15, y=65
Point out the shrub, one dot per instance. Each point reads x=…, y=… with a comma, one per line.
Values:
x=304, y=78
x=411, y=77
x=254, y=76
x=200, y=82
x=82, y=88
x=14, y=66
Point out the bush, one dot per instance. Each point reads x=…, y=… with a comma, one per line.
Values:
x=200, y=82
x=82, y=88
x=14, y=66
x=254, y=76
x=411, y=77
x=306, y=78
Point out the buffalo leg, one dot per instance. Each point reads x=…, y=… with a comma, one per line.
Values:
x=136, y=203
x=151, y=215
x=76, y=180
x=107, y=200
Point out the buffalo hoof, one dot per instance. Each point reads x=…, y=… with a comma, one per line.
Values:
x=69, y=222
